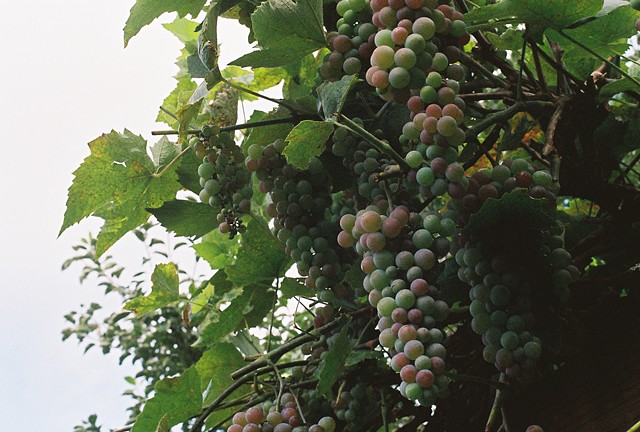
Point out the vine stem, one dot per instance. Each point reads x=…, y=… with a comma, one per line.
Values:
x=598, y=56
x=379, y=145
x=496, y=408
x=283, y=349
x=172, y=163
x=259, y=95
x=635, y=428
x=233, y=127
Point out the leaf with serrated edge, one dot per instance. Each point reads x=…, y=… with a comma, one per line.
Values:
x=180, y=398
x=145, y=11
x=307, y=139
x=117, y=182
x=164, y=290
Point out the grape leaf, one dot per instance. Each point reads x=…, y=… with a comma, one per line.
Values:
x=164, y=290
x=179, y=398
x=607, y=35
x=117, y=182
x=261, y=257
x=286, y=32
x=217, y=249
x=279, y=22
x=332, y=365
x=222, y=322
x=307, y=139
x=163, y=425
x=216, y=365
x=266, y=135
x=539, y=14
x=144, y=12
x=516, y=205
x=186, y=218
x=334, y=94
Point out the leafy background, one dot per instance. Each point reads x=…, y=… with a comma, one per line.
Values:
x=65, y=75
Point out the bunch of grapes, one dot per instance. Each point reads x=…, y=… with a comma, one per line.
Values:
x=299, y=200
x=284, y=416
x=224, y=179
x=355, y=404
x=397, y=260
x=502, y=301
x=352, y=44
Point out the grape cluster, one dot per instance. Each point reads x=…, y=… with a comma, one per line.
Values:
x=299, y=200
x=224, y=179
x=277, y=417
x=501, y=298
x=355, y=404
x=415, y=38
x=352, y=44
x=397, y=259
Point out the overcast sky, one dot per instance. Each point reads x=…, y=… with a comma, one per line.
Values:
x=65, y=79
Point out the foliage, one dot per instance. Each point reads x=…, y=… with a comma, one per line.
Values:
x=442, y=194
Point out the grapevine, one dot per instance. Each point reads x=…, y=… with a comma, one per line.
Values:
x=400, y=242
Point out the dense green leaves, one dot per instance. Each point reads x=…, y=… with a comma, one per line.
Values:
x=164, y=290
x=178, y=398
x=217, y=249
x=118, y=182
x=307, y=139
x=145, y=11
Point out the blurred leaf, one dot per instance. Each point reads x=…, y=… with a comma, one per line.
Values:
x=164, y=290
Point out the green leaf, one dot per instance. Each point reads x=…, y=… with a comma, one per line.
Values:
x=606, y=35
x=291, y=287
x=261, y=257
x=208, y=39
x=332, y=365
x=163, y=152
x=359, y=356
x=302, y=77
x=286, y=31
x=163, y=425
x=185, y=30
x=513, y=206
x=144, y=12
x=164, y=290
x=178, y=398
x=615, y=87
x=277, y=56
x=217, y=249
x=280, y=22
x=539, y=14
x=117, y=182
x=354, y=277
x=334, y=94
x=307, y=139
x=216, y=365
x=186, y=218
x=265, y=135
x=220, y=323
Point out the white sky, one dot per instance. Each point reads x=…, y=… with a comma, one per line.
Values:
x=65, y=79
